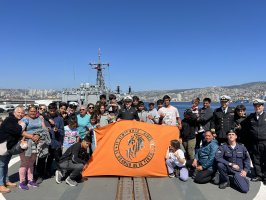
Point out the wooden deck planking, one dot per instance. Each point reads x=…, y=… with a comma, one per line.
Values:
x=125, y=189
x=141, y=191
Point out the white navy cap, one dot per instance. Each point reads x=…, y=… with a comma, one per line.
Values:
x=258, y=102
x=73, y=103
x=128, y=98
x=225, y=98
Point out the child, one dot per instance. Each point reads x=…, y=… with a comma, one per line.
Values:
x=189, y=126
x=103, y=116
x=71, y=134
x=175, y=157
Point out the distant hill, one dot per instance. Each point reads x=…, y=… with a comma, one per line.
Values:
x=260, y=84
x=247, y=85
x=246, y=91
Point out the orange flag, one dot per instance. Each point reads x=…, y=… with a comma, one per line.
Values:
x=131, y=148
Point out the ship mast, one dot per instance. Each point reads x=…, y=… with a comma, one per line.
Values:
x=99, y=67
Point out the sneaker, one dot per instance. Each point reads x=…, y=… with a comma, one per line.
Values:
x=71, y=182
x=33, y=184
x=171, y=175
x=23, y=186
x=58, y=176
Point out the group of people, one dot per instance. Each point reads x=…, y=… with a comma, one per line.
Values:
x=216, y=145
x=66, y=137
x=41, y=138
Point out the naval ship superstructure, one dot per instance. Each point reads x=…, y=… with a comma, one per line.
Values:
x=88, y=93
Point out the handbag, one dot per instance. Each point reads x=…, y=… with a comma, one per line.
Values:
x=20, y=147
x=23, y=144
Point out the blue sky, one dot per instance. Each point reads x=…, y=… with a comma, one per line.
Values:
x=150, y=44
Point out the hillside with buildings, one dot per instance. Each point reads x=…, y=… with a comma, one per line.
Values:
x=247, y=91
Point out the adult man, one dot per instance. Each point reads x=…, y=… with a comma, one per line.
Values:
x=169, y=114
x=73, y=161
x=128, y=112
x=255, y=124
x=10, y=135
x=55, y=125
x=223, y=119
x=204, y=119
x=233, y=158
x=204, y=159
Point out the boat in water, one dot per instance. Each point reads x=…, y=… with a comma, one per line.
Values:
x=242, y=101
x=89, y=93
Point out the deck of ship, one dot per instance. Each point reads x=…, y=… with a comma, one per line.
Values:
x=129, y=188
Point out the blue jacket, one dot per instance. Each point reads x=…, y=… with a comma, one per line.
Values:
x=57, y=138
x=206, y=154
x=239, y=155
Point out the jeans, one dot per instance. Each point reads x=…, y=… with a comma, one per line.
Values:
x=74, y=169
x=4, y=160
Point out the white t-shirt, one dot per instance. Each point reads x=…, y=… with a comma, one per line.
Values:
x=171, y=113
x=181, y=154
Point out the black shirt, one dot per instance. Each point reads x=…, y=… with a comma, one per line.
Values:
x=128, y=114
x=10, y=131
x=75, y=153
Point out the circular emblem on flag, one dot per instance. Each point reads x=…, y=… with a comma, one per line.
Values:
x=134, y=148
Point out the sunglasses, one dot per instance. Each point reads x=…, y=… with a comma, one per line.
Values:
x=82, y=109
x=91, y=107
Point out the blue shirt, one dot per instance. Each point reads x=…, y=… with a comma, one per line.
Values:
x=83, y=124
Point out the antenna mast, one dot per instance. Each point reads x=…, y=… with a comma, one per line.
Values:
x=99, y=67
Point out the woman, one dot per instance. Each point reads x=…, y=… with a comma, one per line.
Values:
x=90, y=109
x=28, y=158
x=240, y=116
x=83, y=122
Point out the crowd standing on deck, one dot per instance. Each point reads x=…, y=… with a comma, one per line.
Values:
x=214, y=146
